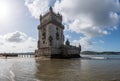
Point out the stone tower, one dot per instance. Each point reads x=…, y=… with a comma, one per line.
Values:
x=50, y=38
x=50, y=30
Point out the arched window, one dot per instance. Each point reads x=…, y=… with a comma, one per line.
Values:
x=57, y=36
x=43, y=35
x=50, y=40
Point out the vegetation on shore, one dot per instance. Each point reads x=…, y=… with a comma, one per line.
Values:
x=97, y=53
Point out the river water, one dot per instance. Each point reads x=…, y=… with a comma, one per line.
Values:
x=97, y=68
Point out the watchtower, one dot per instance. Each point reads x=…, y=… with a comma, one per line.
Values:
x=51, y=38
x=50, y=30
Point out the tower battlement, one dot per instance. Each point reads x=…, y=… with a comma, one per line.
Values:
x=51, y=17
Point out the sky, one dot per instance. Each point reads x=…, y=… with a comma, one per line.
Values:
x=94, y=24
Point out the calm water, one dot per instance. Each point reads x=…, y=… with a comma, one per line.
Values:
x=99, y=68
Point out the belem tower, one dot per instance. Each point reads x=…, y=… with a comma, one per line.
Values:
x=51, y=38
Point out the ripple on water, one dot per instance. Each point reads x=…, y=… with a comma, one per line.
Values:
x=23, y=69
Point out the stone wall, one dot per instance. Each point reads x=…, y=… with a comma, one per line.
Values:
x=43, y=52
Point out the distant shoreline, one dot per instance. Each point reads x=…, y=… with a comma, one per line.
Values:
x=99, y=53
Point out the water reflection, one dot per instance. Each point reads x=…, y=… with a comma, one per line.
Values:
x=31, y=69
x=58, y=70
x=17, y=69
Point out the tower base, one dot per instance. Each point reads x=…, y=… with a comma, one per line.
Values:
x=62, y=52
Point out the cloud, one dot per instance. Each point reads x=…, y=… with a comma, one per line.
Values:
x=115, y=27
x=67, y=36
x=86, y=16
x=85, y=42
x=15, y=37
x=17, y=42
x=92, y=18
x=37, y=7
x=101, y=41
x=84, y=27
x=1, y=43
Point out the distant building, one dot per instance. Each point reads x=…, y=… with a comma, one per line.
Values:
x=51, y=38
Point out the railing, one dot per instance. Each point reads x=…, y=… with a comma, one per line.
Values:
x=26, y=55
x=19, y=55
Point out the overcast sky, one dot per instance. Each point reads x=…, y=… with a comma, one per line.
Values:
x=92, y=23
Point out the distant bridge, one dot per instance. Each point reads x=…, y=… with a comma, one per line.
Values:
x=23, y=55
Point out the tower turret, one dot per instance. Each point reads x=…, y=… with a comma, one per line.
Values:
x=67, y=42
x=50, y=9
